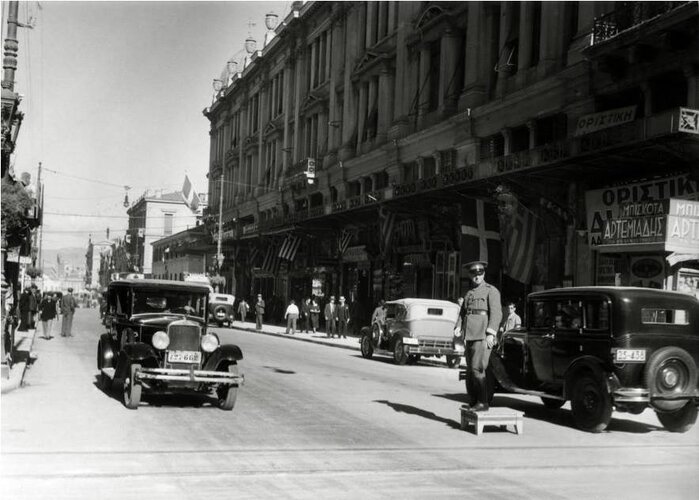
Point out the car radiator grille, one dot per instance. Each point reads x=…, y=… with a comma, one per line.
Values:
x=184, y=337
x=437, y=344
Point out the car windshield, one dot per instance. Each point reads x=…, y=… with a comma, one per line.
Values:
x=173, y=301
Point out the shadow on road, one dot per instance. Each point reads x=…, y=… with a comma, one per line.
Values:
x=279, y=370
x=562, y=417
x=411, y=410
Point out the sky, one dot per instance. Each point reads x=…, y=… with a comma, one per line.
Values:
x=113, y=97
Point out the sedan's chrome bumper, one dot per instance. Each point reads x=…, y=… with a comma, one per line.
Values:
x=641, y=395
x=196, y=376
x=434, y=351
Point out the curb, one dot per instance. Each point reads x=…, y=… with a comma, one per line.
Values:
x=23, y=351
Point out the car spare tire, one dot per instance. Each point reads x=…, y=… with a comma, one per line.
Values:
x=670, y=370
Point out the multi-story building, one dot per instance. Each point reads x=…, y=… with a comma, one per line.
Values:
x=436, y=133
x=153, y=216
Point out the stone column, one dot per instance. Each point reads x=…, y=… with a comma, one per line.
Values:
x=475, y=89
x=385, y=103
x=690, y=72
x=299, y=87
x=314, y=61
x=505, y=22
x=551, y=44
x=240, y=180
x=507, y=136
x=362, y=113
x=531, y=125
x=349, y=116
x=524, y=54
x=287, y=106
x=448, y=93
x=420, y=162
x=371, y=15
x=261, y=157
x=647, y=99
x=424, y=83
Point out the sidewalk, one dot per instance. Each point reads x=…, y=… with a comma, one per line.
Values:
x=23, y=347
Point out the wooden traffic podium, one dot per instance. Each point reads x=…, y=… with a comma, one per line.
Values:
x=500, y=417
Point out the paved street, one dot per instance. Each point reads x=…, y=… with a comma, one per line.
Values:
x=314, y=421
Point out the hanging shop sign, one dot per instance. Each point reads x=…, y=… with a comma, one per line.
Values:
x=605, y=119
x=230, y=234
x=250, y=228
x=356, y=254
x=627, y=214
x=667, y=225
x=450, y=178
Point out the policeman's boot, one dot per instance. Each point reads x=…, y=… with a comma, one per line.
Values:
x=482, y=391
x=471, y=390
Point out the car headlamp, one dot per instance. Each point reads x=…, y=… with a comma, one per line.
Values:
x=209, y=342
x=161, y=340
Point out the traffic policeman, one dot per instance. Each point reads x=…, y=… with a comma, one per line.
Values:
x=481, y=314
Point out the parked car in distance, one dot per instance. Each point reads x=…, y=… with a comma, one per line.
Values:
x=221, y=308
x=605, y=348
x=158, y=342
x=415, y=328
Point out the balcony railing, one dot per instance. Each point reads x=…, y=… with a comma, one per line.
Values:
x=628, y=16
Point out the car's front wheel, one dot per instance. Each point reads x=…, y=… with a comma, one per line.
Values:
x=367, y=347
x=400, y=357
x=591, y=404
x=453, y=361
x=227, y=394
x=132, y=388
x=679, y=420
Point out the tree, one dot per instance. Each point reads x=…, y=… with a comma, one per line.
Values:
x=34, y=272
x=15, y=204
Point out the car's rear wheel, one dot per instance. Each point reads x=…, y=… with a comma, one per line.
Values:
x=227, y=394
x=679, y=420
x=132, y=388
x=453, y=361
x=591, y=404
x=367, y=347
x=553, y=404
x=400, y=357
x=670, y=370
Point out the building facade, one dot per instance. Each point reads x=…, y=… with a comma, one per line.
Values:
x=370, y=149
x=153, y=216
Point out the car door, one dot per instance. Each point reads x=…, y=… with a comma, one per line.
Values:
x=566, y=343
x=539, y=339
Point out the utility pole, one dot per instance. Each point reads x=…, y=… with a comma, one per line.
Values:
x=40, y=231
x=219, y=254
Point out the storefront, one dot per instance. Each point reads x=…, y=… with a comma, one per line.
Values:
x=646, y=234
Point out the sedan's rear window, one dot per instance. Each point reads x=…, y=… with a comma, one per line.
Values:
x=433, y=311
x=664, y=316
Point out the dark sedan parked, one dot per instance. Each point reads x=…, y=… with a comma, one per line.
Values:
x=158, y=342
x=605, y=348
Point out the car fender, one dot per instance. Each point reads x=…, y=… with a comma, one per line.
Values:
x=137, y=352
x=228, y=352
x=593, y=364
x=107, y=352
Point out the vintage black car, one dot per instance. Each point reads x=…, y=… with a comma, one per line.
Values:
x=158, y=342
x=221, y=308
x=605, y=348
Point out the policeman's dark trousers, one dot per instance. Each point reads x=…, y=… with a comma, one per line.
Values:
x=477, y=357
x=259, y=321
x=330, y=328
x=67, y=325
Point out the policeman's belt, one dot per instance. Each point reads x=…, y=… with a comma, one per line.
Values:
x=482, y=312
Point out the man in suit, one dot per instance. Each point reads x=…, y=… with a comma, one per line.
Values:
x=331, y=317
x=68, y=306
x=259, y=311
x=343, y=318
x=481, y=315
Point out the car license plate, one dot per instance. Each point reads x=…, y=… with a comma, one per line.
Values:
x=630, y=355
x=184, y=356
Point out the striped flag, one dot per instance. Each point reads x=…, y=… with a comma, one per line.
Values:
x=191, y=198
x=520, y=244
x=344, y=240
x=272, y=260
x=480, y=234
x=290, y=247
x=387, y=221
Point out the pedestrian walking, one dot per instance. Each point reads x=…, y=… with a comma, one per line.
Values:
x=47, y=314
x=306, y=314
x=34, y=306
x=259, y=311
x=343, y=318
x=24, y=305
x=480, y=317
x=330, y=314
x=291, y=316
x=68, y=306
x=243, y=309
x=315, y=313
